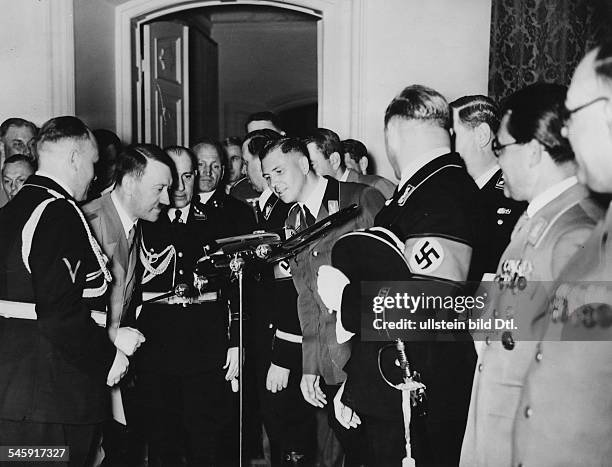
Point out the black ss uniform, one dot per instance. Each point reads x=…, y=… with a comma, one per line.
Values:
x=181, y=384
x=288, y=418
x=53, y=368
x=436, y=216
x=499, y=218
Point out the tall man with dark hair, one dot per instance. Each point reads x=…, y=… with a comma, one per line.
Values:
x=475, y=122
x=327, y=158
x=143, y=181
x=538, y=166
x=434, y=217
x=560, y=420
x=55, y=360
x=286, y=167
x=288, y=418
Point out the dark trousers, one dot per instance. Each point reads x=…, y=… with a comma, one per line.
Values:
x=289, y=420
x=352, y=440
x=181, y=416
x=385, y=441
x=81, y=439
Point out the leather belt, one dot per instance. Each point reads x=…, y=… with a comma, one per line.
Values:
x=287, y=336
x=21, y=310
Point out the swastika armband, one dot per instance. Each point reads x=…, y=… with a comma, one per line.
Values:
x=438, y=257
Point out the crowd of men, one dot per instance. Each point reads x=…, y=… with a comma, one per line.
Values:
x=120, y=336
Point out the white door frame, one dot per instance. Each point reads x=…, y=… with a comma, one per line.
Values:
x=340, y=39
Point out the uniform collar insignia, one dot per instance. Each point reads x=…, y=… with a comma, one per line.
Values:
x=407, y=191
x=500, y=182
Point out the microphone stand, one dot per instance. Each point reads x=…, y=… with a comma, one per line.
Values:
x=236, y=266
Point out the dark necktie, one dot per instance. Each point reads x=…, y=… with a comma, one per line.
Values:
x=177, y=217
x=128, y=314
x=307, y=217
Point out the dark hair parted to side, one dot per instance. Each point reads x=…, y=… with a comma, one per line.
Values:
x=21, y=158
x=179, y=151
x=286, y=145
x=257, y=140
x=477, y=109
x=215, y=144
x=59, y=128
x=355, y=149
x=535, y=112
x=327, y=141
x=133, y=161
x=266, y=116
x=18, y=122
x=417, y=102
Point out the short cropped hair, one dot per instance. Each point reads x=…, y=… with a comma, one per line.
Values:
x=264, y=116
x=286, y=146
x=215, y=144
x=355, y=149
x=327, y=141
x=31, y=162
x=18, y=122
x=536, y=112
x=60, y=128
x=179, y=150
x=257, y=140
x=133, y=161
x=417, y=102
x=477, y=109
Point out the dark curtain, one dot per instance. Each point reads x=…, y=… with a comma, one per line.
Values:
x=542, y=40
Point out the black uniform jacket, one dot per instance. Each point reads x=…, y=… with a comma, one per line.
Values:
x=436, y=209
x=52, y=369
x=274, y=305
x=499, y=218
x=192, y=338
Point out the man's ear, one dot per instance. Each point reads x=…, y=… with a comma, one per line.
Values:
x=335, y=161
x=535, y=152
x=304, y=164
x=484, y=135
x=75, y=159
x=363, y=165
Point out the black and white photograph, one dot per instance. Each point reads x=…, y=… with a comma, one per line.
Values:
x=314, y=233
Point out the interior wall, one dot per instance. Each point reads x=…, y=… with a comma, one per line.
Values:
x=390, y=44
x=94, y=36
x=35, y=40
x=263, y=66
x=443, y=44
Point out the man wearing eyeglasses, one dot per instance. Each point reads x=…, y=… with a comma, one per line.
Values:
x=566, y=392
x=538, y=167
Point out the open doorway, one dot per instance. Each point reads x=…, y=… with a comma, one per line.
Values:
x=204, y=70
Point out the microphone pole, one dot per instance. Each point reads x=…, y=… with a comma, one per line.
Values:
x=236, y=266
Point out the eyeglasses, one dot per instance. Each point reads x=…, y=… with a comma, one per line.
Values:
x=498, y=147
x=567, y=113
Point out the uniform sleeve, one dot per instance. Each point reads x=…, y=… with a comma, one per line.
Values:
x=58, y=260
x=287, y=347
x=371, y=201
x=569, y=244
